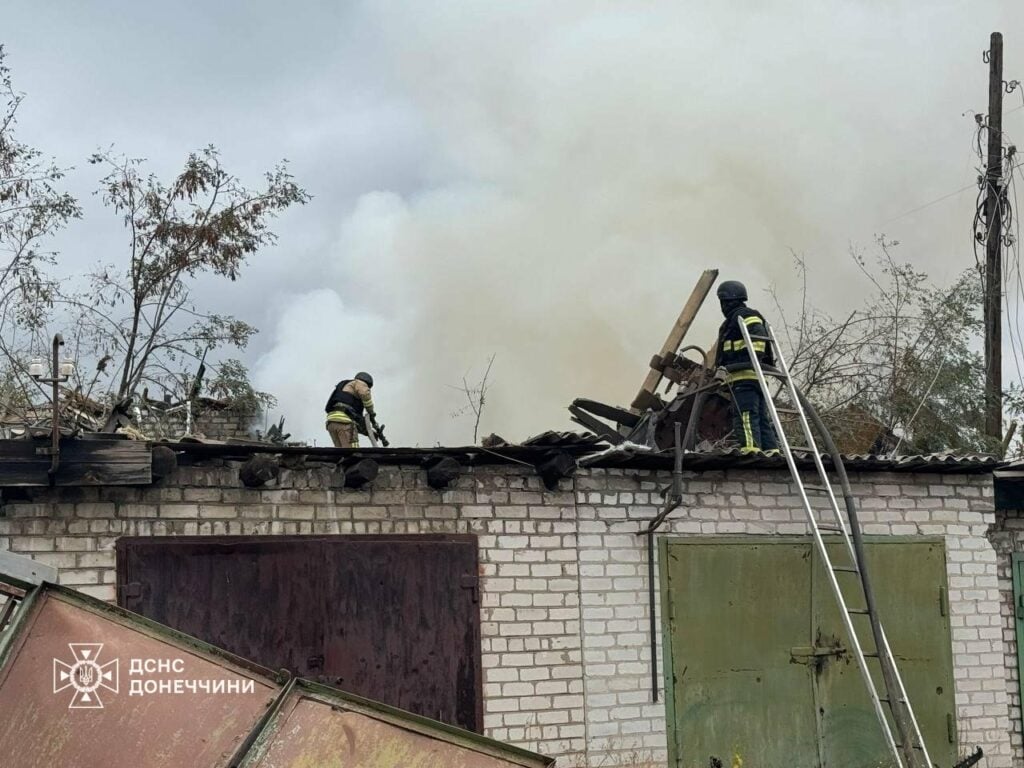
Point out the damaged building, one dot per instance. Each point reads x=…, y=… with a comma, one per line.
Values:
x=505, y=590
x=640, y=595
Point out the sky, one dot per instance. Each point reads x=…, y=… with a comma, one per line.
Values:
x=538, y=182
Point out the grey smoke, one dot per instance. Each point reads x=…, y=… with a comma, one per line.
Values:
x=539, y=181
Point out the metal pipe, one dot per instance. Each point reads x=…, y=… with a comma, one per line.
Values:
x=671, y=503
x=55, y=378
x=651, y=597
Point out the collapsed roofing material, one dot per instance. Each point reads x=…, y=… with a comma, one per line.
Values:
x=84, y=683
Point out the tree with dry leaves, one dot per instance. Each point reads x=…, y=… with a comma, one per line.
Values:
x=901, y=372
x=33, y=207
x=203, y=222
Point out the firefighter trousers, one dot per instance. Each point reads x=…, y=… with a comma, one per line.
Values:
x=751, y=423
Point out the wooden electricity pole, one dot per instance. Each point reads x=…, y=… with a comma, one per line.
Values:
x=994, y=244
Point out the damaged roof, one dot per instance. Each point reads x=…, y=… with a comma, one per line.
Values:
x=590, y=447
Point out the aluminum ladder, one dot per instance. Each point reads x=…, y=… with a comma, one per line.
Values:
x=902, y=736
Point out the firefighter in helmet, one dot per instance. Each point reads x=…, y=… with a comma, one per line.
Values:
x=752, y=425
x=346, y=407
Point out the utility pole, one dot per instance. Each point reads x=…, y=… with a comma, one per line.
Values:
x=994, y=244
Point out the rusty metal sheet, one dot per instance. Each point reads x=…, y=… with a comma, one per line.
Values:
x=394, y=618
x=65, y=685
x=316, y=726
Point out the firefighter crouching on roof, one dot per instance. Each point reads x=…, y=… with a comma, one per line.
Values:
x=751, y=423
x=345, y=408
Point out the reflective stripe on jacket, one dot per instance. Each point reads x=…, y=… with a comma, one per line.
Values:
x=731, y=351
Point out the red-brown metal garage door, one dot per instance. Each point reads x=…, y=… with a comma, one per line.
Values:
x=392, y=618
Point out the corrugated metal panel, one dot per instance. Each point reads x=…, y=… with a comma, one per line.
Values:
x=535, y=452
x=697, y=462
x=316, y=726
x=552, y=439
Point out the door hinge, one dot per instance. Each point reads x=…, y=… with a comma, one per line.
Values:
x=471, y=581
x=951, y=727
x=943, y=602
x=1020, y=607
x=130, y=591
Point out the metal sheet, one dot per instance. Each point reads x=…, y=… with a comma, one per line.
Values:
x=911, y=581
x=758, y=661
x=734, y=612
x=402, y=625
x=39, y=729
x=392, y=618
x=330, y=731
x=258, y=598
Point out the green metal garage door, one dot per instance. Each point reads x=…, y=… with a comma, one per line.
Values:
x=758, y=666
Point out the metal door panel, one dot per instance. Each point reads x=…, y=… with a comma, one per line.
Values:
x=909, y=579
x=1018, y=611
x=402, y=617
x=735, y=611
x=742, y=612
x=394, y=618
x=259, y=599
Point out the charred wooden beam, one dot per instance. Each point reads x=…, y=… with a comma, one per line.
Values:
x=360, y=473
x=555, y=466
x=83, y=462
x=165, y=461
x=595, y=425
x=259, y=470
x=644, y=398
x=441, y=471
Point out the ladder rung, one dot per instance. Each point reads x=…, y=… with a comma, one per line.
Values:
x=861, y=612
x=846, y=568
x=888, y=701
x=802, y=449
x=832, y=528
x=818, y=488
x=760, y=338
x=787, y=410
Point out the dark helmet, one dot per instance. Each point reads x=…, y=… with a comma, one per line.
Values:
x=364, y=377
x=732, y=290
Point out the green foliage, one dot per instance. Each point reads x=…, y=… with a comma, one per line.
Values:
x=32, y=208
x=202, y=222
x=232, y=383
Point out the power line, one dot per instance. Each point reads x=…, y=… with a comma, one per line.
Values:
x=933, y=202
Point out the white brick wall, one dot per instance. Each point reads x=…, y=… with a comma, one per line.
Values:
x=564, y=590
x=613, y=585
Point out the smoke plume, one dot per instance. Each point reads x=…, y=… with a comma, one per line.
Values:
x=586, y=162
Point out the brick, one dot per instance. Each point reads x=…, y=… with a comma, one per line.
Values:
x=179, y=511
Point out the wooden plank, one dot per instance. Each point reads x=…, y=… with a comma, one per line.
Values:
x=82, y=463
x=676, y=335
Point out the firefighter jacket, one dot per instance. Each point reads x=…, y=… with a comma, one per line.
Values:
x=347, y=401
x=731, y=352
